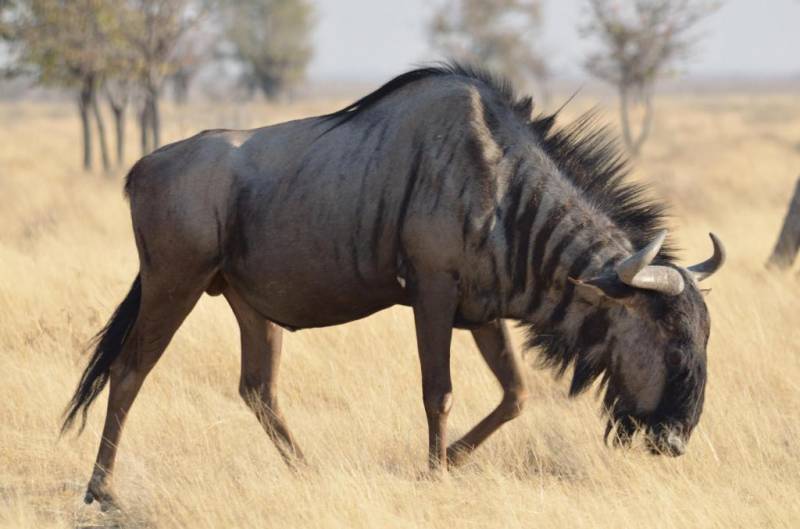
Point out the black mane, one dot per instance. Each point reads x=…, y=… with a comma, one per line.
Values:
x=499, y=85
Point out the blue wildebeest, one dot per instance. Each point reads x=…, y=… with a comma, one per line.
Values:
x=436, y=191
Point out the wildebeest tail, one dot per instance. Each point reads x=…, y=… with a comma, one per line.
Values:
x=108, y=345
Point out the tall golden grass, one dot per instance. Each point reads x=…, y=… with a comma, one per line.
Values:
x=192, y=455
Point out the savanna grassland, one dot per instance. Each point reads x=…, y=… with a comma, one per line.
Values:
x=193, y=455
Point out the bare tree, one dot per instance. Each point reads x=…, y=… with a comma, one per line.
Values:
x=153, y=28
x=7, y=8
x=500, y=34
x=638, y=43
x=64, y=44
x=121, y=75
x=115, y=48
x=118, y=90
x=271, y=39
x=192, y=52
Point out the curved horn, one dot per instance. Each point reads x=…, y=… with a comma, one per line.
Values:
x=708, y=267
x=628, y=268
x=659, y=278
x=637, y=271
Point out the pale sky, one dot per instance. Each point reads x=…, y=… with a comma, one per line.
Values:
x=375, y=39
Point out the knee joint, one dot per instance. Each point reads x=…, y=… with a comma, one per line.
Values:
x=439, y=403
x=255, y=396
x=513, y=403
x=248, y=391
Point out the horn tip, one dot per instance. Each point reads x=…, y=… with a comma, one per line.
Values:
x=660, y=237
x=719, y=249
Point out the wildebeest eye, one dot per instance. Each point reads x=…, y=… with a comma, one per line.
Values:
x=674, y=358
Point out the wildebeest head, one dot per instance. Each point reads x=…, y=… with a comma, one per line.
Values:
x=654, y=348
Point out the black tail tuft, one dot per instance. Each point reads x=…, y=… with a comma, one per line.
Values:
x=109, y=345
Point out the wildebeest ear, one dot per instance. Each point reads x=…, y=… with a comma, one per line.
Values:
x=600, y=289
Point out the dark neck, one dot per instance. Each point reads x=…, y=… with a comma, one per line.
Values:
x=552, y=234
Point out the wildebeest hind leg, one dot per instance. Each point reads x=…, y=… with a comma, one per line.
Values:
x=163, y=308
x=495, y=347
x=261, y=355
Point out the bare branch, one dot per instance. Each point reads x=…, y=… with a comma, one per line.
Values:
x=271, y=39
x=639, y=42
x=499, y=34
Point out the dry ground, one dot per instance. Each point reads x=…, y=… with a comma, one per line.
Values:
x=193, y=455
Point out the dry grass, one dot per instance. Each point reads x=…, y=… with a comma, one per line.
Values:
x=193, y=456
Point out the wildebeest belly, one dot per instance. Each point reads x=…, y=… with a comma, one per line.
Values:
x=297, y=300
x=304, y=276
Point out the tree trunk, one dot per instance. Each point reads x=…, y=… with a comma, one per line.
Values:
x=647, y=120
x=155, y=117
x=180, y=86
x=634, y=142
x=119, y=129
x=101, y=131
x=84, y=103
x=789, y=239
x=144, y=129
x=117, y=93
x=150, y=121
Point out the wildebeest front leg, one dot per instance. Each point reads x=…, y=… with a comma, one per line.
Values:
x=434, y=307
x=494, y=345
x=261, y=356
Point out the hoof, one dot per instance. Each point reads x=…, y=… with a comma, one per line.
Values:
x=88, y=498
x=456, y=456
x=105, y=499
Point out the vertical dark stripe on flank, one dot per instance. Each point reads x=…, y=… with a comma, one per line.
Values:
x=355, y=239
x=486, y=230
x=515, y=170
x=453, y=151
x=549, y=269
x=524, y=230
x=537, y=255
x=413, y=174
x=376, y=154
x=575, y=271
x=377, y=230
x=465, y=226
x=446, y=140
x=464, y=185
x=510, y=224
x=440, y=187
